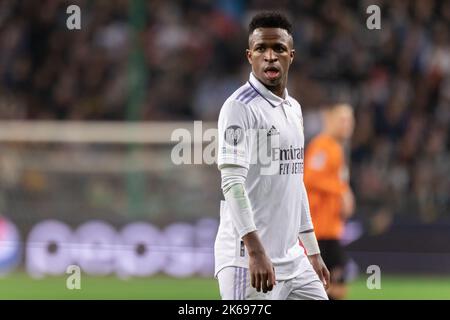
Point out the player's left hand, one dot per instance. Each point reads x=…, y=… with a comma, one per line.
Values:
x=321, y=269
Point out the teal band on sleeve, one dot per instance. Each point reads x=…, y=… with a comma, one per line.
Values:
x=240, y=210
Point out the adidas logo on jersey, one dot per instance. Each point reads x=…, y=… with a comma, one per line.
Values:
x=273, y=131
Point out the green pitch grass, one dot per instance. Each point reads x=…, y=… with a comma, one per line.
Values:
x=21, y=286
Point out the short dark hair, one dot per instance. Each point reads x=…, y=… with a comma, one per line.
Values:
x=270, y=19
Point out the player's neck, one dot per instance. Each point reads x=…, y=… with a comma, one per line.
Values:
x=330, y=133
x=278, y=90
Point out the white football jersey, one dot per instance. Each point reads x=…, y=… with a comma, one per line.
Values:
x=275, y=190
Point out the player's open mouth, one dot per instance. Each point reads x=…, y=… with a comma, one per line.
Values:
x=272, y=72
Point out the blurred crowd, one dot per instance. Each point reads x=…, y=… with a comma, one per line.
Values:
x=188, y=56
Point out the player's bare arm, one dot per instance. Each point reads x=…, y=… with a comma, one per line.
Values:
x=307, y=237
x=261, y=269
x=348, y=204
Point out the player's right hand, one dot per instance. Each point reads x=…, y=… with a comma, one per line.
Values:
x=262, y=272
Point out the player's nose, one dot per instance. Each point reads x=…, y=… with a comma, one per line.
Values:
x=270, y=56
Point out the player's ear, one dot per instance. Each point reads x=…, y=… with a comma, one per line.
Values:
x=292, y=54
x=248, y=53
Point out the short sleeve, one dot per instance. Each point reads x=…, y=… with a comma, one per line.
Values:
x=235, y=139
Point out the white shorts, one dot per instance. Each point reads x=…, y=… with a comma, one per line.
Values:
x=234, y=284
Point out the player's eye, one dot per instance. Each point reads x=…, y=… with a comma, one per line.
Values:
x=280, y=48
x=260, y=49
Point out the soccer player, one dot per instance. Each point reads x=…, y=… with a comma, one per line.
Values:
x=330, y=196
x=257, y=251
